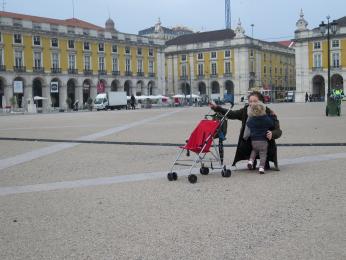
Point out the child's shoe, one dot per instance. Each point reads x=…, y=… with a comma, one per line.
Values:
x=250, y=165
x=261, y=170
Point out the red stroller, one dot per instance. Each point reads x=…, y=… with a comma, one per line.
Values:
x=202, y=143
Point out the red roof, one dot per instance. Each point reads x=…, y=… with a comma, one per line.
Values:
x=67, y=22
x=288, y=43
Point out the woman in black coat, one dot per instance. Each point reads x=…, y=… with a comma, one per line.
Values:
x=244, y=142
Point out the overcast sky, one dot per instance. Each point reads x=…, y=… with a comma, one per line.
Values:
x=273, y=19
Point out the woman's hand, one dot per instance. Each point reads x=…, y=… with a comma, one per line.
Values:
x=269, y=135
x=212, y=105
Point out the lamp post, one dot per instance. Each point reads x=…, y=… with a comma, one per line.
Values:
x=330, y=28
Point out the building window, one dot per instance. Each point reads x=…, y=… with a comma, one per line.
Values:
x=55, y=60
x=183, y=57
x=17, y=23
x=151, y=66
x=37, y=59
x=183, y=70
x=139, y=51
x=114, y=48
x=127, y=65
x=72, y=61
x=227, y=67
x=213, y=54
x=151, y=52
x=317, y=45
x=55, y=42
x=317, y=60
x=36, y=26
x=115, y=64
x=264, y=69
x=71, y=44
x=276, y=70
x=37, y=40
x=127, y=50
x=270, y=70
x=336, y=60
x=86, y=46
x=87, y=62
x=264, y=57
x=101, y=63
x=18, y=58
x=0, y=37
x=17, y=38
x=101, y=46
x=86, y=32
x=139, y=65
x=54, y=28
x=200, y=69
x=335, y=44
x=213, y=69
x=251, y=53
x=70, y=29
x=200, y=56
x=227, y=53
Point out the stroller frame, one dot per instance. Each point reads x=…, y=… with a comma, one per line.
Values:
x=215, y=150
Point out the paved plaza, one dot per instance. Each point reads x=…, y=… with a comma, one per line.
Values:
x=64, y=198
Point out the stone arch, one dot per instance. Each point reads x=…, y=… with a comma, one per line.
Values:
x=71, y=91
x=55, y=88
x=101, y=86
x=229, y=87
x=140, y=88
x=151, y=87
x=2, y=90
x=185, y=88
x=115, y=85
x=37, y=90
x=337, y=82
x=128, y=87
x=202, y=88
x=215, y=87
x=86, y=90
x=318, y=86
x=18, y=93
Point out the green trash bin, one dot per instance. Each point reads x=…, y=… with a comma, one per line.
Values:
x=333, y=106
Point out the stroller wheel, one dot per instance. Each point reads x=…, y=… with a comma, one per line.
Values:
x=192, y=178
x=204, y=170
x=226, y=173
x=172, y=176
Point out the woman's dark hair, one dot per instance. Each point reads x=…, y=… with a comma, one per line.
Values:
x=257, y=94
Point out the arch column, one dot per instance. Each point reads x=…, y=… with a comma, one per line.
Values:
x=63, y=96
x=79, y=95
x=27, y=95
x=47, y=103
x=8, y=92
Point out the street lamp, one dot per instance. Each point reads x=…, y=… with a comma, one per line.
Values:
x=330, y=28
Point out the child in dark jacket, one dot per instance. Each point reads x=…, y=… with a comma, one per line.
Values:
x=258, y=123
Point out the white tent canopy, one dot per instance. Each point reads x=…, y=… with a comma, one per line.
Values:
x=39, y=98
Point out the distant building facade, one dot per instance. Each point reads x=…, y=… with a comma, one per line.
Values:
x=160, y=32
x=312, y=59
x=61, y=59
x=214, y=63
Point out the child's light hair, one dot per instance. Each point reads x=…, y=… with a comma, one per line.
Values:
x=257, y=109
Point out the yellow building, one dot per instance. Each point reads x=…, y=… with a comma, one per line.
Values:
x=61, y=59
x=312, y=59
x=216, y=63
